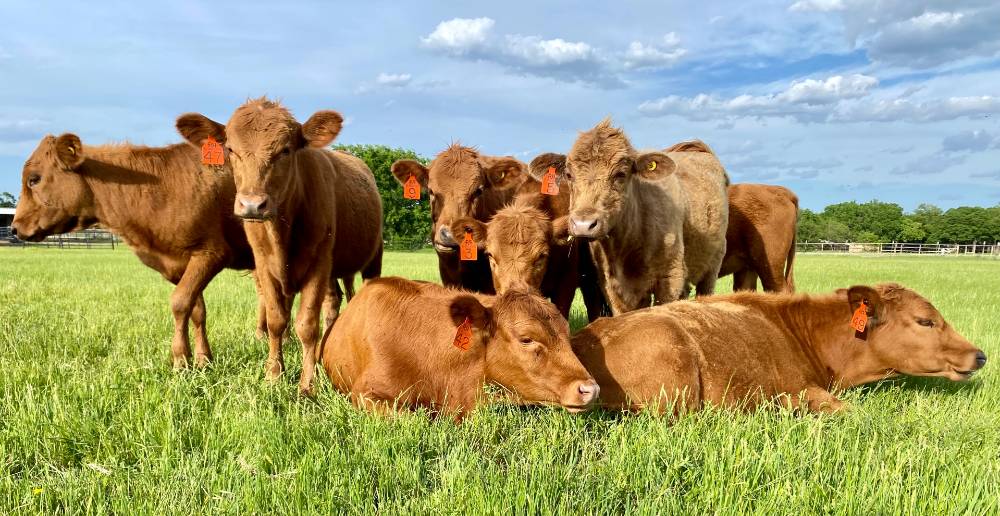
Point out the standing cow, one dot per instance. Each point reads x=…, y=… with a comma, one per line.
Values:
x=760, y=241
x=170, y=209
x=309, y=214
x=656, y=220
x=461, y=182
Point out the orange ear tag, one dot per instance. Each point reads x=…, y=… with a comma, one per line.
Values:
x=211, y=152
x=411, y=190
x=860, y=319
x=463, y=337
x=468, y=249
x=549, y=184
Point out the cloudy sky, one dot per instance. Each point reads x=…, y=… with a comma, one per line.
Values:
x=897, y=100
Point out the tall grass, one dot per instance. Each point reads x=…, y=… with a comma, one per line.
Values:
x=92, y=419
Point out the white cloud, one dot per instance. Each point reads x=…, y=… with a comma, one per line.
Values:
x=976, y=140
x=459, y=36
x=21, y=130
x=534, y=51
x=928, y=165
x=833, y=89
x=817, y=5
x=640, y=56
x=906, y=110
x=393, y=80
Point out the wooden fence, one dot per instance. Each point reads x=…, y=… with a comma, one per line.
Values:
x=86, y=239
x=987, y=249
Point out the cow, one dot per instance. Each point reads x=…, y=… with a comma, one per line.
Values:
x=161, y=201
x=656, y=221
x=310, y=215
x=760, y=240
x=462, y=182
x=746, y=349
x=400, y=343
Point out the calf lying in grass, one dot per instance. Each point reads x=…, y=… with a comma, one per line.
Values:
x=420, y=344
x=746, y=349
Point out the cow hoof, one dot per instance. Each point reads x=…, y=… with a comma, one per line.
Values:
x=180, y=363
x=273, y=371
x=202, y=361
x=306, y=391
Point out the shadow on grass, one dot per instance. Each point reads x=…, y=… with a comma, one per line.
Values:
x=922, y=384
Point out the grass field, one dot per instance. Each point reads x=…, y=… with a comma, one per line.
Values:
x=92, y=419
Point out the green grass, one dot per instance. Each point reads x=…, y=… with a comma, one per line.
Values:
x=92, y=419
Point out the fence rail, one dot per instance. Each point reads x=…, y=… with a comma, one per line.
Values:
x=977, y=248
x=85, y=239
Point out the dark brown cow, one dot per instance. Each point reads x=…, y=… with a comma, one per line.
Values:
x=744, y=349
x=310, y=214
x=160, y=200
x=656, y=220
x=395, y=344
x=461, y=182
x=760, y=240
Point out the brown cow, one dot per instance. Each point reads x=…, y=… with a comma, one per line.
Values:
x=395, y=343
x=310, y=214
x=760, y=240
x=461, y=182
x=745, y=349
x=161, y=200
x=656, y=220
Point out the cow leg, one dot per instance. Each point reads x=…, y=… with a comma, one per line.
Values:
x=817, y=400
x=706, y=286
x=772, y=276
x=202, y=351
x=277, y=308
x=307, y=324
x=745, y=279
x=261, y=309
x=200, y=270
x=331, y=304
x=669, y=288
x=349, y=287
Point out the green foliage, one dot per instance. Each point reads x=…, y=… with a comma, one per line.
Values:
x=93, y=420
x=876, y=221
x=404, y=219
x=7, y=200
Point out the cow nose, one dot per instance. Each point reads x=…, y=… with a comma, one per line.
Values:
x=445, y=237
x=252, y=206
x=584, y=227
x=980, y=360
x=13, y=230
x=589, y=391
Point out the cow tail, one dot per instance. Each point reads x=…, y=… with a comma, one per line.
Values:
x=789, y=264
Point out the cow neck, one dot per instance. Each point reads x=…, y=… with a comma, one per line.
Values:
x=821, y=326
x=127, y=183
x=293, y=197
x=627, y=230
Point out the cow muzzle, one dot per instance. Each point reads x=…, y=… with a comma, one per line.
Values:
x=586, y=226
x=252, y=207
x=444, y=240
x=582, y=396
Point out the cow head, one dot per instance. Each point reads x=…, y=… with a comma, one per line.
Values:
x=261, y=140
x=528, y=349
x=55, y=198
x=460, y=182
x=517, y=240
x=906, y=334
x=602, y=169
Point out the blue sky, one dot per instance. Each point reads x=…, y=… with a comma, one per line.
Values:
x=836, y=99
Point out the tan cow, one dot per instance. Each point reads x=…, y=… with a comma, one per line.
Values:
x=656, y=220
x=461, y=182
x=760, y=241
x=310, y=214
x=396, y=344
x=745, y=349
x=161, y=200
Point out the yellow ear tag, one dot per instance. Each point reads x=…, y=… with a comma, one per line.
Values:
x=652, y=166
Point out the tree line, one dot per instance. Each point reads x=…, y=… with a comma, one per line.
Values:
x=409, y=221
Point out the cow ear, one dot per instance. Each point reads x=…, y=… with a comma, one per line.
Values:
x=196, y=128
x=402, y=170
x=652, y=166
x=321, y=128
x=69, y=150
x=560, y=230
x=478, y=229
x=862, y=294
x=541, y=164
x=502, y=173
x=468, y=307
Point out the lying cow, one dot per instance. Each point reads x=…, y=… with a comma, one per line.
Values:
x=656, y=220
x=461, y=182
x=760, y=241
x=399, y=342
x=745, y=349
x=309, y=214
x=160, y=200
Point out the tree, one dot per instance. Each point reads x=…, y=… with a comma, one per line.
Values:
x=967, y=224
x=882, y=219
x=7, y=200
x=912, y=231
x=403, y=218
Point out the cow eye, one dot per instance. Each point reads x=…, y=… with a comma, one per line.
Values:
x=33, y=180
x=926, y=322
x=477, y=192
x=526, y=340
x=284, y=152
x=618, y=176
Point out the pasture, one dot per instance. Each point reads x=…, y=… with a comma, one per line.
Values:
x=92, y=418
